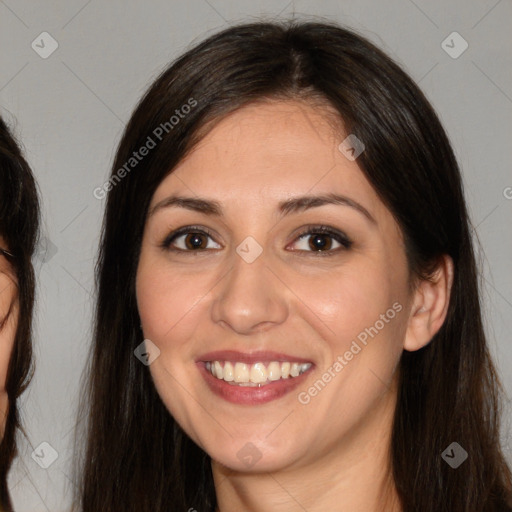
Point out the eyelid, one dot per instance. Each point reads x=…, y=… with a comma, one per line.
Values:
x=345, y=242
x=166, y=243
x=334, y=233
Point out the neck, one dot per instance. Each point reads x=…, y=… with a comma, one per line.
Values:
x=356, y=475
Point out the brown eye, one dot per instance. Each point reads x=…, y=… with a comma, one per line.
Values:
x=320, y=242
x=189, y=239
x=195, y=241
x=322, y=239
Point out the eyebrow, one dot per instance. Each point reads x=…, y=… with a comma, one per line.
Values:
x=296, y=204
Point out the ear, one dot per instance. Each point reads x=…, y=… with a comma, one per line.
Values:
x=430, y=305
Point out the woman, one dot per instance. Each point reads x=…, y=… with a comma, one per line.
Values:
x=19, y=221
x=286, y=229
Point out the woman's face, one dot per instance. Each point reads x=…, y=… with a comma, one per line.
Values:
x=8, y=294
x=245, y=294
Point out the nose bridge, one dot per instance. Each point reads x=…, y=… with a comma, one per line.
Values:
x=249, y=297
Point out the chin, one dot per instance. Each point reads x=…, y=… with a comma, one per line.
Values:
x=248, y=456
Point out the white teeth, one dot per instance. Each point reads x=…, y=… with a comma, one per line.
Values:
x=241, y=372
x=305, y=367
x=256, y=374
x=228, y=372
x=218, y=369
x=274, y=371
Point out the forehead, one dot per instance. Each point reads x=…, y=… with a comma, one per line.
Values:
x=275, y=148
x=279, y=131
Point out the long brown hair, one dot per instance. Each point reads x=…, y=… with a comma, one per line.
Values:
x=19, y=225
x=137, y=458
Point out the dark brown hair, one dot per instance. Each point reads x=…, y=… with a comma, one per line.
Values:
x=137, y=458
x=19, y=225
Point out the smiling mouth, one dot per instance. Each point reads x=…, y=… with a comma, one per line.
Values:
x=255, y=375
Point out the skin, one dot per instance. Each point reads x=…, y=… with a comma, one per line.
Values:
x=8, y=294
x=333, y=452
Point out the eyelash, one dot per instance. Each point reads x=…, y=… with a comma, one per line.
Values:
x=340, y=237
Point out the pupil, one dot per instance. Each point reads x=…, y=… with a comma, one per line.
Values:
x=195, y=240
x=320, y=242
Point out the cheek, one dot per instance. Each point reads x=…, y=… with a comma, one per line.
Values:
x=7, y=335
x=368, y=318
x=169, y=304
x=8, y=331
x=353, y=299
x=157, y=301
x=364, y=307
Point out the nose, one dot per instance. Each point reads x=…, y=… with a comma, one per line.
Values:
x=250, y=298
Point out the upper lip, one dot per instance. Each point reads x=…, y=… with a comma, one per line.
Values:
x=260, y=356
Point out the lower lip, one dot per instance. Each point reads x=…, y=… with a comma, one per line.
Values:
x=247, y=395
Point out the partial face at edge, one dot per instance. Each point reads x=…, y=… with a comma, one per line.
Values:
x=291, y=299
x=8, y=301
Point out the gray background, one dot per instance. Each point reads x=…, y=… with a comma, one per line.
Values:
x=70, y=108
